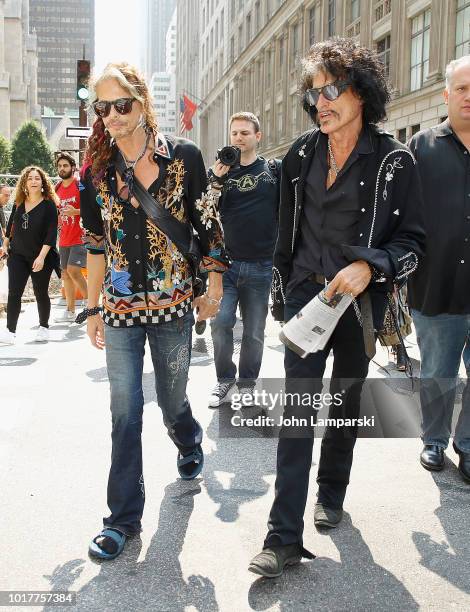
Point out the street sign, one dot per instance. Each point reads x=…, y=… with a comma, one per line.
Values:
x=78, y=132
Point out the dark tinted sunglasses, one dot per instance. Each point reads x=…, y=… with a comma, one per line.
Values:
x=330, y=91
x=123, y=106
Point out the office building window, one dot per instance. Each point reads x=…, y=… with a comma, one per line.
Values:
x=269, y=71
x=267, y=123
x=383, y=52
x=415, y=129
x=311, y=25
x=248, y=29
x=420, y=29
x=331, y=17
x=257, y=18
x=295, y=44
x=295, y=112
x=268, y=9
x=281, y=52
x=401, y=135
x=354, y=10
x=462, y=33
x=280, y=119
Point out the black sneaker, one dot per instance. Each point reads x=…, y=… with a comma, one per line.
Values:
x=221, y=393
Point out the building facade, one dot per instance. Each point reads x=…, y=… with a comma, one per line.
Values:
x=18, y=67
x=162, y=84
x=250, y=52
x=188, y=69
x=65, y=29
x=162, y=88
x=156, y=15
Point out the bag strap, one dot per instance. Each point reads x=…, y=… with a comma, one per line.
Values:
x=177, y=232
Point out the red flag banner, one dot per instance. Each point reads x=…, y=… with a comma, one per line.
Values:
x=188, y=109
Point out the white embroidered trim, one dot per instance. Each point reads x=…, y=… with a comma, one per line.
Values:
x=277, y=285
x=409, y=266
x=388, y=178
x=295, y=180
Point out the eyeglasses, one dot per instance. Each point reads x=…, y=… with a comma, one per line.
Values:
x=331, y=91
x=25, y=217
x=123, y=106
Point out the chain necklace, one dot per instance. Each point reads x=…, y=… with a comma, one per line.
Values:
x=333, y=164
x=131, y=164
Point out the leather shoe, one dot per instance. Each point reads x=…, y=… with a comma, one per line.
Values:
x=271, y=561
x=326, y=517
x=464, y=463
x=432, y=457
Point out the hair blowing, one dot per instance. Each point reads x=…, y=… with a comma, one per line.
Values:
x=100, y=144
x=345, y=59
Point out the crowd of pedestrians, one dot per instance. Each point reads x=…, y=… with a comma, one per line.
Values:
x=350, y=210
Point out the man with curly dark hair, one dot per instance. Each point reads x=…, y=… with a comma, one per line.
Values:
x=350, y=223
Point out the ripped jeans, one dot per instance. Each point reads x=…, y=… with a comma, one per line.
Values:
x=170, y=347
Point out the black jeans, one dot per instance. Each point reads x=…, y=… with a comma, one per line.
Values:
x=294, y=454
x=19, y=270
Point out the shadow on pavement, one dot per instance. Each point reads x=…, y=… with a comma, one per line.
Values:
x=246, y=461
x=451, y=559
x=356, y=582
x=155, y=583
x=17, y=361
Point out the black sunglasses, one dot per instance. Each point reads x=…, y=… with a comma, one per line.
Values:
x=331, y=91
x=123, y=106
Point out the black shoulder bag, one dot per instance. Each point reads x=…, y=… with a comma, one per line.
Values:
x=179, y=233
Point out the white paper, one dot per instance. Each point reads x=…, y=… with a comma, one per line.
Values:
x=311, y=328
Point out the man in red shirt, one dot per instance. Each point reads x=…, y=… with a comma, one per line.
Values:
x=71, y=249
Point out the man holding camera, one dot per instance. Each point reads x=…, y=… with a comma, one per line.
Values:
x=248, y=207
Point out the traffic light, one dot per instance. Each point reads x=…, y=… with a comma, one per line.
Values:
x=83, y=76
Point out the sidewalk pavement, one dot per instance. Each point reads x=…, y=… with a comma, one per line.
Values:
x=404, y=543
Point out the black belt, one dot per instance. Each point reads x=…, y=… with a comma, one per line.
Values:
x=366, y=315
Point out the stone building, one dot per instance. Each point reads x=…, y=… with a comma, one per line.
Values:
x=18, y=67
x=249, y=54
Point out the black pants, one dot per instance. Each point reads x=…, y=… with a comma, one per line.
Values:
x=19, y=270
x=294, y=452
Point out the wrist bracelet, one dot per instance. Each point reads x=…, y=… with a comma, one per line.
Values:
x=213, y=301
x=87, y=312
x=376, y=274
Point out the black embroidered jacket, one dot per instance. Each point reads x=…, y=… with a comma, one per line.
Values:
x=147, y=279
x=390, y=231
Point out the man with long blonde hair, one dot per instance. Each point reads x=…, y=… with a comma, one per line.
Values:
x=146, y=281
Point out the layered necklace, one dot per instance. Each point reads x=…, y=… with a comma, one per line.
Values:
x=128, y=175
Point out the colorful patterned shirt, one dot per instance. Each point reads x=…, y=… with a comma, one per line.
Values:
x=147, y=279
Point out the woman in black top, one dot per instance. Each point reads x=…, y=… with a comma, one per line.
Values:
x=30, y=242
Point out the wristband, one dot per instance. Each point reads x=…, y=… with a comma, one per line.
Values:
x=376, y=274
x=216, y=181
x=212, y=301
x=87, y=312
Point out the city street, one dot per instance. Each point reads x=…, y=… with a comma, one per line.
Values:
x=404, y=543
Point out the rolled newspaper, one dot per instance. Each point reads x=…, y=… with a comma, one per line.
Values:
x=311, y=328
